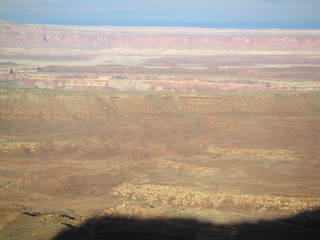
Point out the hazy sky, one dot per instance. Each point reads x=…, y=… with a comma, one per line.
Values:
x=161, y=12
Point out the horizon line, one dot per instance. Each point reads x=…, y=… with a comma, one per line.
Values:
x=205, y=25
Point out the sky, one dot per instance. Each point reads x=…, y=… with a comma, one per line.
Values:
x=199, y=13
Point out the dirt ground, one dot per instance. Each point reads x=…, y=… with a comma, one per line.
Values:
x=158, y=133
x=222, y=158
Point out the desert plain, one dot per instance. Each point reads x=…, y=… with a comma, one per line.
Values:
x=149, y=123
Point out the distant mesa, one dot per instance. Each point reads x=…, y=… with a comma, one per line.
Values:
x=5, y=22
x=152, y=37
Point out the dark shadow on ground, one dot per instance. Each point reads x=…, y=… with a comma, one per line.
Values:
x=303, y=226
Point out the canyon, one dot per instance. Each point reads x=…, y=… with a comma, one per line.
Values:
x=134, y=124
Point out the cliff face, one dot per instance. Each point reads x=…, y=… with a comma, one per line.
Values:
x=146, y=37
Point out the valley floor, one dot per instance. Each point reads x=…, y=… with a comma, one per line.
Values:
x=223, y=158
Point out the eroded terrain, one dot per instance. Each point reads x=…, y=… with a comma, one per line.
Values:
x=121, y=59
x=221, y=157
x=214, y=125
